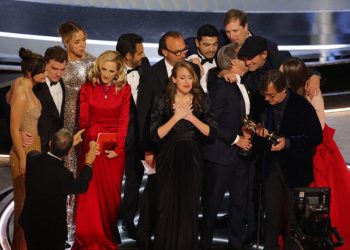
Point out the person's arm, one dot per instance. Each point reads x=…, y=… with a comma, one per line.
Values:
x=122, y=123
x=201, y=126
x=180, y=112
x=312, y=86
x=18, y=104
x=318, y=103
x=71, y=185
x=84, y=114
x=10, y=92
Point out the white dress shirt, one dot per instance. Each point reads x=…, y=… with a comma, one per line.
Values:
x=133, y=78
x=56, y=93
x=206, y=67
x=244, y=93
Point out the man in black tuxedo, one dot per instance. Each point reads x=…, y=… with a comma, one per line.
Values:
x=131, y=48
x=286, y=164
x=224, y=168
x=207, y=43
x=173, y=48
x=48, y=182
x=51, y=95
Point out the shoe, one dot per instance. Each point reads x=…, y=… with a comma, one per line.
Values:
x=130, y=229
x=67, y=245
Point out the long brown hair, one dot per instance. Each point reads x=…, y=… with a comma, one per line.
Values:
x=109, y=56
x=296, y=74
x=196, y=91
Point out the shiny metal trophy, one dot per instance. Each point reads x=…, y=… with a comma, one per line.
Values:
x=272, y=137
x=249, y=127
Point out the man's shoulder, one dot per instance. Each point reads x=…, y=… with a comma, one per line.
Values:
x=299, y=102
x=34, y=153
x=159, y=65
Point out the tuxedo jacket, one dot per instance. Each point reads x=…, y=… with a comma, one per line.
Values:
x=133, y=130
x=301, y=126
x=50, y=120
x=228, y=108
x=47, y=183
x=152, y=85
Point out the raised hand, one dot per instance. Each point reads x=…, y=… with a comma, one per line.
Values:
x=181, y=110
x=77, y=137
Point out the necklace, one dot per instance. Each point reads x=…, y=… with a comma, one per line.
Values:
x=105, y=89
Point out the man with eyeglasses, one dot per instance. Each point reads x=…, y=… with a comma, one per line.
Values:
x=173, y=48
x=286, y=164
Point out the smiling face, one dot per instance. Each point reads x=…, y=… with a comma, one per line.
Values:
x=208, y=46
x=76, y=45
x=108, y=72
x=183, y=81
x=256, y=62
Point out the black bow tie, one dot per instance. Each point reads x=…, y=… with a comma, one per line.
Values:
x=53, y=83
x=205, y=60
x=131, y=70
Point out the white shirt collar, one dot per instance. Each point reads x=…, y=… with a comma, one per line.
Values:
x=169, y=67
x=51, y=154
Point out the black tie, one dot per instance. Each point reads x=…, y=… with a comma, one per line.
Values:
x=205, y=60
x=131, y=70
x=53, y=83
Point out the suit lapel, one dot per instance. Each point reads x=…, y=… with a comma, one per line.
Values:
x=163, y=75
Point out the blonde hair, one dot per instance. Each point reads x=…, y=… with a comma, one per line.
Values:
x=68, y=29
x=109, y=56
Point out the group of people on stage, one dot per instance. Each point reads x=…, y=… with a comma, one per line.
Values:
x=185, y=116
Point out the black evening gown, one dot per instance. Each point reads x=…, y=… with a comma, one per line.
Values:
x=178, y=177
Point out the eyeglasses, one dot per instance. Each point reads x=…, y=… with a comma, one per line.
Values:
x=178, y=52
x=270, y=95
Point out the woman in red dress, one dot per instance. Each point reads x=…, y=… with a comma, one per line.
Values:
x=330, y=169
x=104, y=108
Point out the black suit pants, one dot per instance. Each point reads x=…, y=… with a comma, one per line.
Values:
x=133, y=177
x=219, y=179
x=279, y=205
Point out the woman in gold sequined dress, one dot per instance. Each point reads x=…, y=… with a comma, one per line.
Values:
x=25, y=113
x=79, y=64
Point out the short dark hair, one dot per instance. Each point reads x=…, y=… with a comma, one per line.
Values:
x=127, y=43
x=162, y=40
x=61, y=142
x=56, y=53
x=31, y=62
x=234, y=14
x=207, y=30
x=273, y=76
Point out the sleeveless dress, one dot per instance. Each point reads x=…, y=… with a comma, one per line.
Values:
x=75, y=76
x=330, y=170
x=29, y=124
